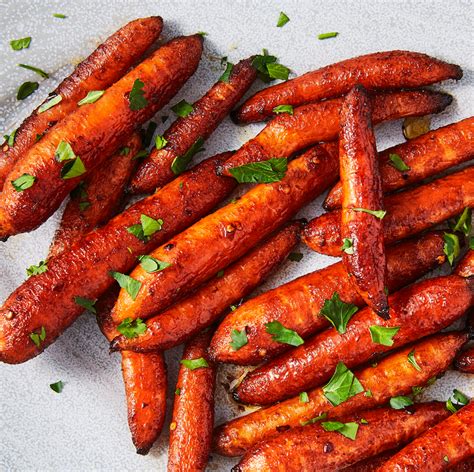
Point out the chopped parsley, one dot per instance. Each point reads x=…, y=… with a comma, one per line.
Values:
x=131, y=328
x=86, y=303
x=37, y=269
x=10, y=138
x=397, y=162
x=464, y=222
x=26, y=89
x=19, y=44
x=50, y=103
x=332, y=34
x=40, y=72
x=377, y=213
x=23, y=182
x=129, y=284
x=322, y=416
x=57, y=386
x=338, y=313
x=412, y=360
x=73, y=168
x=59, y=15
x=283, y=335
x=225, y=77
x=150, y=264
x=91, y=97
x=342, y=385
x=147, y=227
x=451, y=247
x=193, y=364
x=182, y=108
x=282, y=19
x=349, y=430
x=38, y=338
x=269, y=171
x=400, y=402
x=180, y=163
x=383, y=335
x=160, y=142
x=283, y=109
x=239, y=339
x=456, y=401
x=278, y=71
x=136, y=98
x=304, y=398
x=347, y=246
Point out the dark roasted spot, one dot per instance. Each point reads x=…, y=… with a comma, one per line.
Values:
x=328, y=447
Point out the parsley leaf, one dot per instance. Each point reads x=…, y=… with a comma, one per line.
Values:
x=338, y=313
x=377, y=213
x=180, y=163
x=73, y=168
x=464, y=222
x=397, y=162
x=322, y=416
x=269, y=171
x=342, y=385
x=50, y=103
x=57, y=386
x=150, y=264
x=260, y=62
x=37, y=269
x=332, y=34
x=19, y=44
x=38, y=338
x=283, y=335
x=92, y=96
x=383, y=335
x=400, y=402
x=228, y=71
x=278, y=71
x=86, y=303
x=64, y=152
x=412, y=360
x=283, y=109
x=295, y=256
x=129, y=284
x=239, y=339
x=23, y=182
x=10, y=139
x=40, y=72
x=304, y=397
x=347, y=246
x=131, y=328
x=471, y=242
x=160, y=142
x=177, y=391
x=136, y=98
x=147, y=227
x=349, y=430
x=182, y=108
x=125, y=151
x=282, y=20
x=451, y=247
x=26, y=89
x=193, y=364
x=456, y=401
x=59, y=15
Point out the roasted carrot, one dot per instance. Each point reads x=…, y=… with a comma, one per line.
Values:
x=144, y=376
x=408, y=212
x=415, y=311
x=198, y=311
x=465, y=361
x=47, y=300
x=193, y=409
x=420, y=158
x=311, y=124
x=310, y=448
x=97, y=199
x=378, y=71
x=465, y=267
x=107, y=64
x=156, y=170
x=448, y=443
x=297, y=305
x=93, y=132
x=394, y=375
x=364, y=257
x=210, y=245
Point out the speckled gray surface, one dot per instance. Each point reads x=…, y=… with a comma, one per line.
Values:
x=85, y=427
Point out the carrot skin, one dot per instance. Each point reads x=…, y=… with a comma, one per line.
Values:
x=452, y=438
x=107, y=64
x=362, y=188
x=198, y=311
x=48, y=299
x=418, y=310
x=391, y=377
x=408, y=212
x=104, y=189
x=94, y=132
x=426, y=156
x=376, y=71
x=310, y=448
x=297, y=304
x=193, y=411
x=317, y=122
x=465, y=360
x=208, y=112
x=210, y=245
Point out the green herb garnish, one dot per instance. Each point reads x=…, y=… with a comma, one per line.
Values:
x=283, y=335
x=332, y=34
x=282, y=20
x=456, y=401
x=377, y=213
x=451, y=247
x=347, y=246
x=160, y=142
x=349, y=430
x=132, y=328
x=342, y=385
x=57, y=386
x=37, y=269
x=400, y=402
x=180, y=163
x=383, y=335
x=136, y=97
x=23, y=182
x=182, y=108
x=19, y=44
x=129, y=284
x=26, y=89
x=283, y=109
x=412, y=360
x=338, y=313
x=151, y=265
x=92, y=96
x=193, y=364
x=304, y=398
x=40, y=72
x=50, y=103
x=397, y=162
x=269, y=171
x=228, y=71
x=464, y=222
x=86, y=303
x=239, y=339
x=38, y=338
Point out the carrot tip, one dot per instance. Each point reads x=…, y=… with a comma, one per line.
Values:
x=143, y=451
x=114, y=345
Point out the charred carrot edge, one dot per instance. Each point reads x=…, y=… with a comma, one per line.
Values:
x=453, y=438
x=408, y=212
x=424, y=156
x=393, y=375
x=313, y=448
x=144, y=376
x=193, y=410
x=362, y=189
x=104, y=126
x=97, y=199
x=187, y=317
x=306, y=295
x=465, y=360
x=465, y=267
x=219, y=239
x=378, y=71
x=311, y=124
x=108, y=63
x=208, y=112
x=47, y=300
x=433, y=304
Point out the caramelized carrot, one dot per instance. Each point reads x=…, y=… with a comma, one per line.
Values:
x=378, y=71
x=107, y=64
x=93, y=132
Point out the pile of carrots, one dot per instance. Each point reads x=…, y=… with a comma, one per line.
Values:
x=342, y=350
